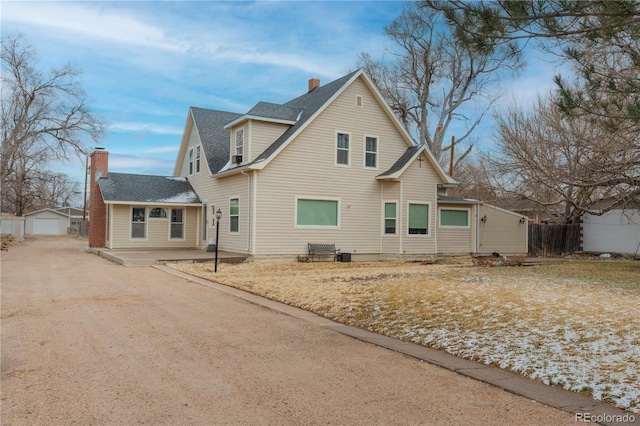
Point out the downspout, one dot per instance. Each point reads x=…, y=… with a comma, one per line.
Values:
x=400, y=216
x=435, y=227
x=383, y=215
x=250, y=210
x=477, y=228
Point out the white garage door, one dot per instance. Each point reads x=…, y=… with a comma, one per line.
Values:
x=46, y=226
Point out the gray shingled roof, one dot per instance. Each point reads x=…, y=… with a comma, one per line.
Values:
x=402, y=161
x=456, y=200
x=276, y=111
x=147, y=189
x=309, y=103
x=214, y=137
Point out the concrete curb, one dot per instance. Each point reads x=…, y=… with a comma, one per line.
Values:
x=557, y=398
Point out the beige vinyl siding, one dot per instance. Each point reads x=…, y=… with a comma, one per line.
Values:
x=157, y=231
x=391, y=193
x=502, y=233
x=306, y=169
x=194, y=140
x=220, y=192
x=261, y=135
x=419, y=186
x=456, y=240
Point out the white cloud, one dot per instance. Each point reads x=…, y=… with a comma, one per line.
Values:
x=145, y=127
x=171, y=149
x=91, y=22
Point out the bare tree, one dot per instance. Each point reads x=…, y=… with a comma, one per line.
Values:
x=44, y=116
x=566, y=162
x=474, y=182
x=434, y=83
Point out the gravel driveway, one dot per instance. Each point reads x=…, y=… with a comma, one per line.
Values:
x=86, y=341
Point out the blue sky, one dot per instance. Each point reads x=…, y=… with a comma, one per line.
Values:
x=144, y=63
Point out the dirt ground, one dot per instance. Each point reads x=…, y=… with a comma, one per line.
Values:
x=86, y=341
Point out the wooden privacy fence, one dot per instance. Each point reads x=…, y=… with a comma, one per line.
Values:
x=553, y=239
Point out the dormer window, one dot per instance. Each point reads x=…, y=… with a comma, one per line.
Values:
x=239, y=141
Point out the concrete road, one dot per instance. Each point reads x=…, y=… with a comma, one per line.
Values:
x=86, y=341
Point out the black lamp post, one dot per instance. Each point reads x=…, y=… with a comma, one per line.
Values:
x=218, y=217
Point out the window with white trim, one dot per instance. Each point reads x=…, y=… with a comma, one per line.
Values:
x=234, y=215
x=454, y=218
x=418, y=219
x=390, y=218
x=198, y=159
x=191, y=161
x=177, y=224
x=138, y=222
x=314, y=212
x=157, y=213
x=342, y=149
x=371, y=152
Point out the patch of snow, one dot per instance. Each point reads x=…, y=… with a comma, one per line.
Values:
x=184, y=197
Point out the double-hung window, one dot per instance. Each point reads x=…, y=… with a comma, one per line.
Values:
x=177, y=224
x=371, y=152
x=198, y=159
x=390, y=218
x=418, y=219
x=234, y=215
x=342, y=149
x=191, y=161
x=138, y=222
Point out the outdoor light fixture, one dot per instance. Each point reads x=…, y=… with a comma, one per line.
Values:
x=523, y=220
x=218, y=217
x=484, y=219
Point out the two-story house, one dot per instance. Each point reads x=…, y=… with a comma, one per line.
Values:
x=331, y=166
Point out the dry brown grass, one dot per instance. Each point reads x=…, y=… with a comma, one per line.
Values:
x=572, y=324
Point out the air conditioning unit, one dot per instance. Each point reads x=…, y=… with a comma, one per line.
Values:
x=236, y=159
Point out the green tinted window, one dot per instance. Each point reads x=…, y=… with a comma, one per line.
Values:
x=317, y=213
x=454, y=217
x=418, y=218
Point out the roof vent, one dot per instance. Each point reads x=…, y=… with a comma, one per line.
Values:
x=314, y=83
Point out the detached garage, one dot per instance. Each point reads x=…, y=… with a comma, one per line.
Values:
x=46, y=222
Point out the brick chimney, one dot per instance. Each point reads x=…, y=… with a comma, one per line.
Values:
x=313, y=84
x=98, y=210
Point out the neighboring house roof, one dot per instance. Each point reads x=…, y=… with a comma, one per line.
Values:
x=608, y=202
x=457, y=200
x=520, y=204
x=46, y=210
x=210, y=125
x=127, y=188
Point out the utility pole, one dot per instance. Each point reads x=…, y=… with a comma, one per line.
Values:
x=453, y=141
